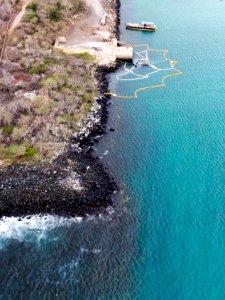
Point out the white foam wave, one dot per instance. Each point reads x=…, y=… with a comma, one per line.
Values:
x=66, y=273
x=37, y=227
x=31, y=227
x=104, y=154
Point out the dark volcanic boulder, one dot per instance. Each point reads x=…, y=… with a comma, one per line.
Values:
x=73, y=186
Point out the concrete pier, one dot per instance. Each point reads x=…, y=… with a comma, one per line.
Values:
x=124, y=53
x=105, y=52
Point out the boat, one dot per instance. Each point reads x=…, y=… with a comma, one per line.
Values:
x=144, y=26
x=140, y=62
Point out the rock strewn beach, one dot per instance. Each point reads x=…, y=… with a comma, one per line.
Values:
x=75, y=183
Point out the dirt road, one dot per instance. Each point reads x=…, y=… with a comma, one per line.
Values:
x=82, y=31
x=18, y=17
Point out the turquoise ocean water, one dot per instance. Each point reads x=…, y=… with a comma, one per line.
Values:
x=166, y=237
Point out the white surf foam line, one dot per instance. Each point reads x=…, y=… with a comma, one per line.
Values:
x=104, y=154
x=32, y=227
x=37, y=227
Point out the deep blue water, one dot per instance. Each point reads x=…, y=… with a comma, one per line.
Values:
x=166, y=239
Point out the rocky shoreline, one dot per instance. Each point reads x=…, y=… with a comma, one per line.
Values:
x=76, y=183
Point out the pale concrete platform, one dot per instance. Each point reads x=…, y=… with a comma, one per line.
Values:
x=105, y=53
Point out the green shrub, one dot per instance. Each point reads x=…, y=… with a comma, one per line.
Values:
x=33, y=6
x=31, y=16
x=67, y=119
x=85, y=56
x=43, y=66
x=55, y=15
x=34, y=20
x=43, y=109
x=7, y=130
x=51, y=60
x=86, y=98
x=87, y=108
x=38, y=69
x=30, y=151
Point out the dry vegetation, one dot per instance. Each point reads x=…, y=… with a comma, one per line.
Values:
x=38, y=115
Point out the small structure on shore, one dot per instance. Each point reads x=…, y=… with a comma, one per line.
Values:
x=105, y=52
x=60, y=42
x=124, y=53
x=104, y=19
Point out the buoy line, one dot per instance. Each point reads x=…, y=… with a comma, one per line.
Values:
x=143, y=56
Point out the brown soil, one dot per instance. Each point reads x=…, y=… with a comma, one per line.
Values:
x=21, y=77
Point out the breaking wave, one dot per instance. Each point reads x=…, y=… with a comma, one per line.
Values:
x=31, y=227
x=38, y=227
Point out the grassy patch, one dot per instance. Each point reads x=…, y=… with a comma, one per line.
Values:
x=7, y=130
x=43, y=67
x=85, y=56
x=17, y=152
x=12, y=151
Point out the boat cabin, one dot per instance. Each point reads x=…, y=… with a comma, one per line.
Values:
x=147, y=24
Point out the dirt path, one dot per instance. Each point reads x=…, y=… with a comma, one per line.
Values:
x=18, y=18
x=82, y=31
x=97, y=11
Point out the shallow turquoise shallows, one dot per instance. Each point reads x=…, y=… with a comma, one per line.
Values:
x=165, y=240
